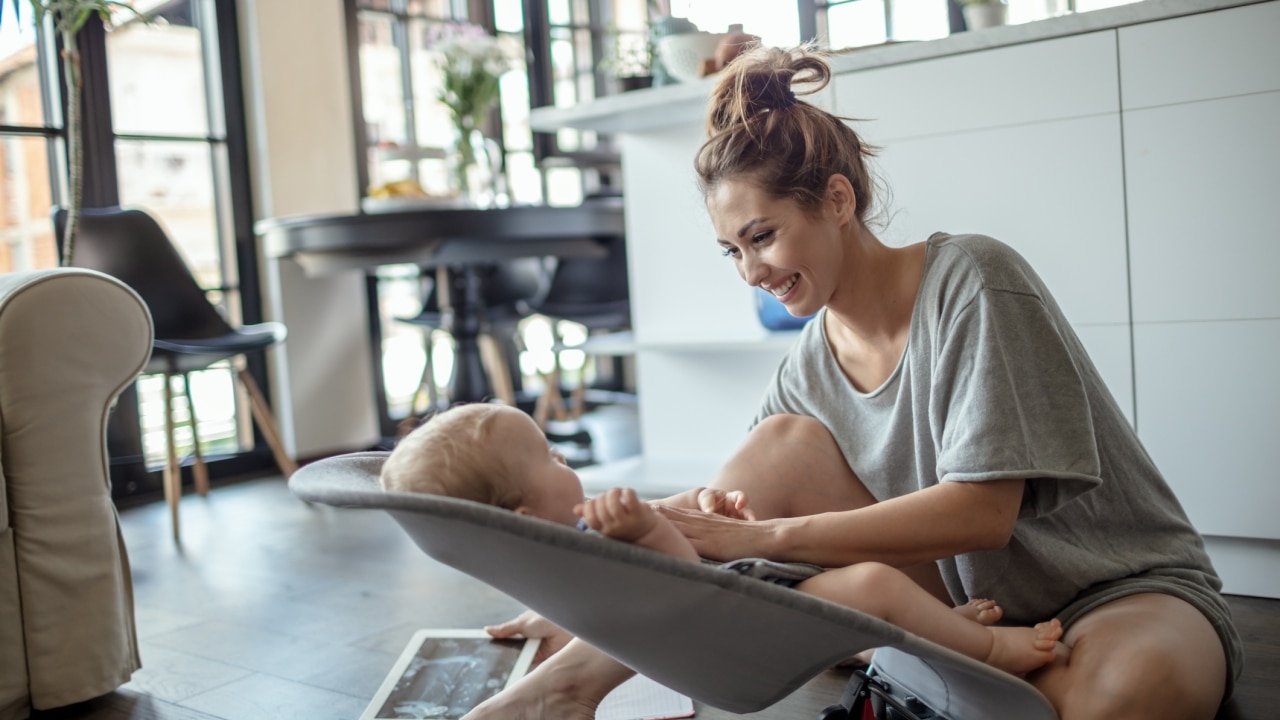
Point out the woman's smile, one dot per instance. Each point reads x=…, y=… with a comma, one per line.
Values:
x=783, y=290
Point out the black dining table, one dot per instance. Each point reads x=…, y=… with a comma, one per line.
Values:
x=462, y=240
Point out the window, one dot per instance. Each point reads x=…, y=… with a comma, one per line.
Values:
x=30, y=126
x=173, y=144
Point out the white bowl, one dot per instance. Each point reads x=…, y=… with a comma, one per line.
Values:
x=682, y=54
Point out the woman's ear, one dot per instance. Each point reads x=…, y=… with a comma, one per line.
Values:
x=841, y=198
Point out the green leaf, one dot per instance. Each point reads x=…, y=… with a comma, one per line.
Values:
x=81, y=18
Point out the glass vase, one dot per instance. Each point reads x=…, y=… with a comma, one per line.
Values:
x=470, y=175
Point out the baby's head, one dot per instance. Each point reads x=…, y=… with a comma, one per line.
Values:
x=485, y=453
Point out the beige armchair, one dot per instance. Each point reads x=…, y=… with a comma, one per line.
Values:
x=70, y=341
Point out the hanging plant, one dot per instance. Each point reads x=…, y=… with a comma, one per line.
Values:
x=68, y=17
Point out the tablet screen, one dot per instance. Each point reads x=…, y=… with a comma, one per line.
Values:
x=443, y=674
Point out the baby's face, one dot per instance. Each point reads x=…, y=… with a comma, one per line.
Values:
x=550, y=488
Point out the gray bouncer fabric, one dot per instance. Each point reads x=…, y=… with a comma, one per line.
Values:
x=732, y=642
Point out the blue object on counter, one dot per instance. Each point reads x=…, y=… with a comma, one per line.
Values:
x=774, y=315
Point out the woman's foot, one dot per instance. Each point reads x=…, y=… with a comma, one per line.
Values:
x=982, y=611
x=1020, y=650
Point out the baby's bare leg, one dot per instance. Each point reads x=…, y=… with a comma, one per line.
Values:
x=887, y=593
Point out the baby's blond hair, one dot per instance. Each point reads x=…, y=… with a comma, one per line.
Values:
x=447, y=455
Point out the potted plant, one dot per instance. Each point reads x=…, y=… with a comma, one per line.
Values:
x=630, y=60
x=69, y=16
x=980, y=14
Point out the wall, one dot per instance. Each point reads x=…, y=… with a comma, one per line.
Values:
x=303, y=162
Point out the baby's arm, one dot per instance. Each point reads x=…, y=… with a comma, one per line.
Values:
x=730, y=503
x=620, y=514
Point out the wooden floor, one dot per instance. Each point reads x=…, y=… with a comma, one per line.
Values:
x=273, y=609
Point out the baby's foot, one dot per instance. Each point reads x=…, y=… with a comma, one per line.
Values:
x=982, y=611
x=1019, y=650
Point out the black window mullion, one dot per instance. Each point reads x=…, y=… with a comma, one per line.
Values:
x=101, y=183
x=537, y=37
x=400, y=39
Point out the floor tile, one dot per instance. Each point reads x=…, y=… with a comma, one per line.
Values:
x=262, y=697
x=176, y=676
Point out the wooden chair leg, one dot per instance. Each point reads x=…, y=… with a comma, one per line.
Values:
x=551, y=403
x=200, y=471
x=578, y=398
x=172, y=472
x=495, y=364
x=267, y=423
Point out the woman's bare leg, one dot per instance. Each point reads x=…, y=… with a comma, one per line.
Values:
x=783, y=448
x=568, y=686
x=1141, y=657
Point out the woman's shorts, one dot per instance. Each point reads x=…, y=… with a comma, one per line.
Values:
x=1187, y=585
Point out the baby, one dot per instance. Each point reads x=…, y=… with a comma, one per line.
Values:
x=497, y=455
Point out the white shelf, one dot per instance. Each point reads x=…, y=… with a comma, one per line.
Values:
x=661, y=107
x=625, y=343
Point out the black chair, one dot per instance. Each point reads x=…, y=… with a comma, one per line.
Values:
x=190, y=334
x=506, y=290
x=591, y=291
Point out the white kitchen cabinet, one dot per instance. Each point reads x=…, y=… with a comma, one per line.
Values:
x=1054, y=191
x=1207, y=413
x=1203, y=182
x=1049, y=80
x=1210, y=55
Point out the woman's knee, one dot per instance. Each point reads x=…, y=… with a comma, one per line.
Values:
x=1142, y=686
x=1143, y=656
x=784, y=427
x=790, y=465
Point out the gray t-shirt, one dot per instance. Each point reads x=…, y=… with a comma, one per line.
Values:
x=994, y=384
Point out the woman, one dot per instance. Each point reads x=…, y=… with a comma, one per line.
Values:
x=938, y=415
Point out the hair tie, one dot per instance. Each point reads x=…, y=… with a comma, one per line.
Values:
x=787, y=100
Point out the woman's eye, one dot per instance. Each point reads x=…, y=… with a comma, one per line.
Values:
x=762, y=237
x=729, y=251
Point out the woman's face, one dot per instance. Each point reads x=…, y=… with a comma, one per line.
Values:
x=777, y=246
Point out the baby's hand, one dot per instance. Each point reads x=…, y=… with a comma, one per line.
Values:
x=729, y=503
x=619, y=514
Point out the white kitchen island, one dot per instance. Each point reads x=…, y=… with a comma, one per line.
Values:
x=1131, y=154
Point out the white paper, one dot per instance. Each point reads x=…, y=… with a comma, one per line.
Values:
x=643, y=699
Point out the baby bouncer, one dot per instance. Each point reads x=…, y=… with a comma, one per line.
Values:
x=732, y=642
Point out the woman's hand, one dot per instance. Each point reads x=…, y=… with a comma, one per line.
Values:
x=723, y=538
x=530, y=624
x=729, y=503
x=619, y=514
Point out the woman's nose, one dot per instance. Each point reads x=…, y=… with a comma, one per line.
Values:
x=753, y=271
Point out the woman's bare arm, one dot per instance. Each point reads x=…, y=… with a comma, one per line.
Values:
x=934, y=523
